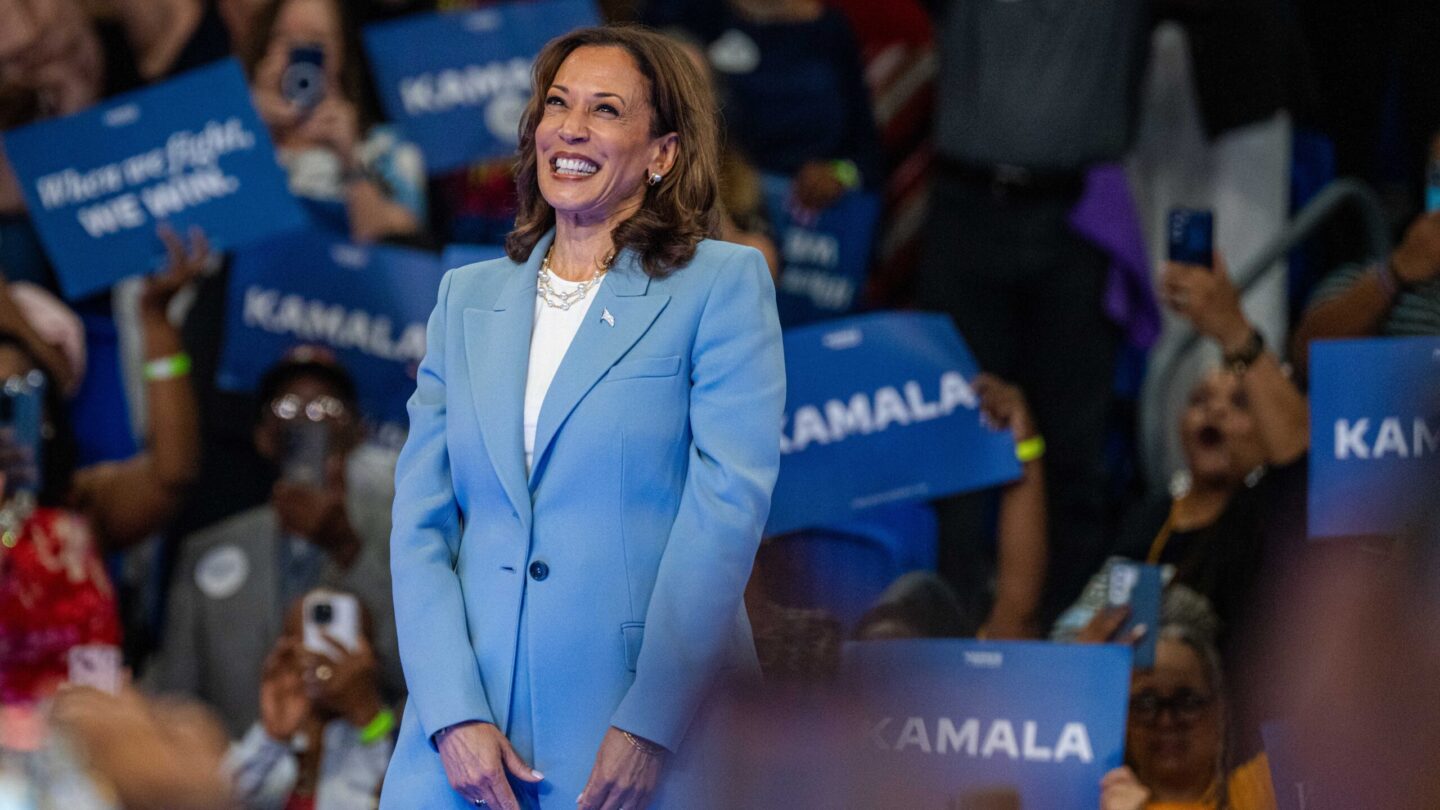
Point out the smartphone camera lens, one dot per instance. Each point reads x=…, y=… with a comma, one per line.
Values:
x=322, y=613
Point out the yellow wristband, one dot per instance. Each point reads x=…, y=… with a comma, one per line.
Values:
x=1030, y=449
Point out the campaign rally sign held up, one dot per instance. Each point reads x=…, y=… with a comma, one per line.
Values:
x=1374, y=435
x=191, y=151
x=368, y=304
x=879, y=409
x=457, y=82
x=824, y=256
x=949, y=718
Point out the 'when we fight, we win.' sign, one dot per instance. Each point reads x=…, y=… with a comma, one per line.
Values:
x=1374, y=435
x=879, y=409
x=457, y=82
x=189, y=152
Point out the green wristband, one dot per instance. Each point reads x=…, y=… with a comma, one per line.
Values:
x=846, y=172
x=378, y=728
x=167, y=368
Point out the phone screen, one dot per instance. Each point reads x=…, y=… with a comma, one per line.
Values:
x=303, y=82
x=307, y=447
x=21, y=414
x=1192, y=236
x=327, y=613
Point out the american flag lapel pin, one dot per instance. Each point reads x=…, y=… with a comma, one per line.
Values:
x=607, y=318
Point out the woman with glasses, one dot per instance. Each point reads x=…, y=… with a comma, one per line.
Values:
x=1176, y=737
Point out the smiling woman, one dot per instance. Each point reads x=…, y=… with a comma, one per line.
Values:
x=594, y=437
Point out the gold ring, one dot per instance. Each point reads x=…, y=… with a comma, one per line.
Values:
x=323, y=672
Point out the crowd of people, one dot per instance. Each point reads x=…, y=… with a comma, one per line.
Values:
x=167, y=518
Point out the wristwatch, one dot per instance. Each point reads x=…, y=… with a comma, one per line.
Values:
x=1239, y=362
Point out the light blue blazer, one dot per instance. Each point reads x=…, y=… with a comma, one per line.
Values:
x=629, y=543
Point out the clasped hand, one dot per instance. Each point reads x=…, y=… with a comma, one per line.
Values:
x=477, y=758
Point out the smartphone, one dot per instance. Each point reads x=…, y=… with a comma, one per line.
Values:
x=22, y=402
x=1192, y=236
x=1432, y=187
x=1137, y=586
x=306, y=449
x=97, y=666
x=303, y=81
x=328, y=613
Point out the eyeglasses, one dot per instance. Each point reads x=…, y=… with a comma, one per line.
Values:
x=1186, y=705
x=291, y=407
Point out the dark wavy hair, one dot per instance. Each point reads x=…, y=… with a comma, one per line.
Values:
x=683, y=208
x=354, y=73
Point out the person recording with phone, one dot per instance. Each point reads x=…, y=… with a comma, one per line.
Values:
x=1395, y=296
x=325, y=734
x=310, y=86
x=321, y=526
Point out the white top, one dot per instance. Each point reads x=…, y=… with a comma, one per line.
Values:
x=554, y=330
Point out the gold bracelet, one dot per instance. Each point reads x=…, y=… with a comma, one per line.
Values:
x=645, y=747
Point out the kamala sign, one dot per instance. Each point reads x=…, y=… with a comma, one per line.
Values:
x=1374, y=435
x=880, y=409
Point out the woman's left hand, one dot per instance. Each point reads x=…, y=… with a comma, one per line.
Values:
x=623, y=776
x=1003, y=406
x=335, y=125
x=184, y=265
x=1207, y=298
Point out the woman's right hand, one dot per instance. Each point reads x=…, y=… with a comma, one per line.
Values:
x=283, y=702
x=476, y=758
x=1121, y=790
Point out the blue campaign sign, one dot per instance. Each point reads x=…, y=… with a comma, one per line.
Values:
x=457, y=82
x=948, y=718
x=458, y=255
x=824, y=259
x=368, y=304
x=1374, y=435
x=880, y=410
x=191, y=151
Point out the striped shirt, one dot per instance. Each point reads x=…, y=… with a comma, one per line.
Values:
x=1415, y=312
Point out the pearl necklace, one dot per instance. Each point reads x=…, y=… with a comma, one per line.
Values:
x=563, y=300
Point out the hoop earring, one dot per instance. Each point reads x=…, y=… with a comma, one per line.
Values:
x=654, y=179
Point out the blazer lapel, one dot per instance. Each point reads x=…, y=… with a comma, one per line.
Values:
x=599, y=342
x=497, y=349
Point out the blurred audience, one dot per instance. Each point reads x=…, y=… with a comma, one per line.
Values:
x=359, y=176
x=1029, y=97
x=149, y=754
x=795, y=101
x=1240, y=502
x=1175, y=751
x=1395, y=296
x=235, y=578
x=324, y=735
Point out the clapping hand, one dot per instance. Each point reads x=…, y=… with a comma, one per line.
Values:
x=624, y=777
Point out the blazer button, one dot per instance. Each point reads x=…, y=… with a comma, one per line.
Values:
x=539, y=571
